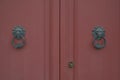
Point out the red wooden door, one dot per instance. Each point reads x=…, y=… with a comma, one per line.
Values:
x=78, y=18
x=39, y=59
x=59, y=31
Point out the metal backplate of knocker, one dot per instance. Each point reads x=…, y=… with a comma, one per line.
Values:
x=18, y=35
x=99, y=36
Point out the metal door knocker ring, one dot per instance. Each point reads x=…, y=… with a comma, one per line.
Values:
x=99, y=41
x=18, y=40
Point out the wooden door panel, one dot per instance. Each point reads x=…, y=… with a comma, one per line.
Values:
x=95, y=64
x=35, y=61
x=78, y=18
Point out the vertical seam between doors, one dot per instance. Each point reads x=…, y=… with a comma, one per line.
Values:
x=59, y=39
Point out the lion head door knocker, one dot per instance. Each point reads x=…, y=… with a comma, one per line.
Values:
x=99, y=41
x=18, y=40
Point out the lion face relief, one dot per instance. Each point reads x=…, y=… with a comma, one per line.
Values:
x=98, y=32
x=18, y=32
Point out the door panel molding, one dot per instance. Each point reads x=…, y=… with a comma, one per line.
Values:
x=67, y=21
x=52, y=39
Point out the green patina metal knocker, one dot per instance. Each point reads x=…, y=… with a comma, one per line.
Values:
x=18, y=40
x=99, y=41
